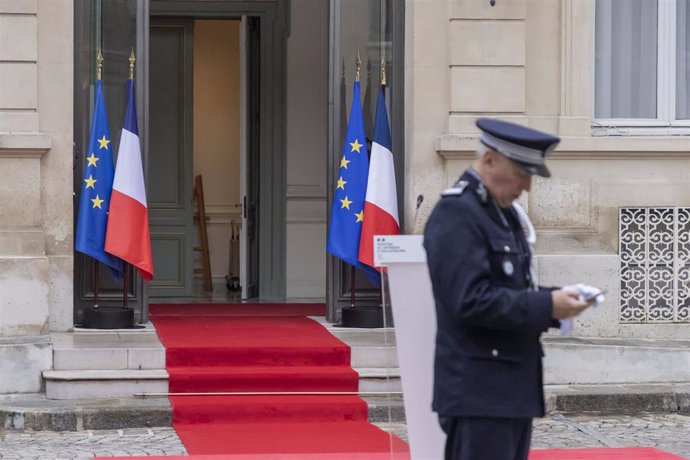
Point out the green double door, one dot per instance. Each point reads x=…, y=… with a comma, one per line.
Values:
x=171, y=163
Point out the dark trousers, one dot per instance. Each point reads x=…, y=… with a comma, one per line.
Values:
x=474, y=438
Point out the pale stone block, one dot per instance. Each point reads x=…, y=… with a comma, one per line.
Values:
x=568, y=363
x=23, y=297
x=466, y=124
x=95, y=389
x=498, y=89
x=368, y=357
x=472, y=9
x=21, y=362
x=55, y=100
x=17, y=38
x=57, y=191
x=548, y=124
x=602, y=271
x=18, y=121
x=454, y=169
x=543, y=57
x=431, y=102
x=18, y=6
x=17, y=85
x=22, y=243
x=91, y=359
x=146, y=358
x=61, y=295
x=487, y=43
x=24, y=145
x=557, y=202
x=20, y=191
x=574, y=127
x=56, y=31
x=430, y=37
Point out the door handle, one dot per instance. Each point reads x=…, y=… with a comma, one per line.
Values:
x=244, y=206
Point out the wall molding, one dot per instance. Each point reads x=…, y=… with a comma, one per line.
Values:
x=24, y=145
x=462, y=147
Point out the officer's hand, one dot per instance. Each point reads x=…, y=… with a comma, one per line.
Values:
x=567, y=303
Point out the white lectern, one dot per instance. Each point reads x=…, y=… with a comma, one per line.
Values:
x=414, y=315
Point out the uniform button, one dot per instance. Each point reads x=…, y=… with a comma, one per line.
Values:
x=494, y=352
x=506, y=248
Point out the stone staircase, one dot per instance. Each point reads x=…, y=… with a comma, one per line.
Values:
x=97, y=364
x=117, y=364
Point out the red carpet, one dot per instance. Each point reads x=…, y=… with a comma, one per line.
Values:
x=263, y=347
x=626, y=453
x=240, y=309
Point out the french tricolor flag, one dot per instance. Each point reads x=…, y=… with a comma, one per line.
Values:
x=381, y=202
x=127, y=235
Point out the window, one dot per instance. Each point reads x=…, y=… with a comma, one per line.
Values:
x=642, y=68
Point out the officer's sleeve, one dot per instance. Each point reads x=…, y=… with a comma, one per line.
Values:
x=458, y=258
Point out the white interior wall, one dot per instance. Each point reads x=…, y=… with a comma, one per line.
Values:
x=217, y=131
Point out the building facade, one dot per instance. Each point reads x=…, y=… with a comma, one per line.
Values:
x=270, y=82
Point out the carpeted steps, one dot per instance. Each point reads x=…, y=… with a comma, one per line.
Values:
x=268, y=409
x=283, y=438
x=246, y=349
x=262, y=378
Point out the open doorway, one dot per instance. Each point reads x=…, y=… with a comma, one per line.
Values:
x=202, y=101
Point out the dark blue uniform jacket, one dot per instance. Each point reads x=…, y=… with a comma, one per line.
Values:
x=488, y=350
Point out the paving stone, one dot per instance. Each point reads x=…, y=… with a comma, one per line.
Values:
x=666, y=431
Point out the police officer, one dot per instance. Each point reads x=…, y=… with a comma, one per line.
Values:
x=490, y=312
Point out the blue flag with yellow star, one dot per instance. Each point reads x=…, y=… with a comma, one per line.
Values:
x=351, y=188
x=95, y=190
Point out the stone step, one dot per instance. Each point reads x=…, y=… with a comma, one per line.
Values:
x=597, y=361
x=107, y=350
x=369, y=347
x=79, y=384
x=36, y=412
x=113, y=383
x=379, y=379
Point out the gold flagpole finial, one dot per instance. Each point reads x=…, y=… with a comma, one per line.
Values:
x=358, y=65
x=383, y=72
x=132, y=60
x=99, y=64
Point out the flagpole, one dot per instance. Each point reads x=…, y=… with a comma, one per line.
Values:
x=353, y=283
x=383, y=88
x=125, y=287
x=125, y=267
x=96, y=265
x=96, y=268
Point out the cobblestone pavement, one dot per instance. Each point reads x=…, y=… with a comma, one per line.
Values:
x=669, y=432
x=45, y=445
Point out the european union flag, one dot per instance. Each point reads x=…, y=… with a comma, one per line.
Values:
x=96, y=188
x=348, y=201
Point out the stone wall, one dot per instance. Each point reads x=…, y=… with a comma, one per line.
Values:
x=36, y=79
x=531, y=62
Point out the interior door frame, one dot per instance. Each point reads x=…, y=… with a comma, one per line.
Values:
x=274, y=22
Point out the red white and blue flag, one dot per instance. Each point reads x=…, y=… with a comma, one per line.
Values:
x=381, y=202
x=128, y=236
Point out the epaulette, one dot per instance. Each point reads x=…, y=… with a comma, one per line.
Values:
x=455, y=190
